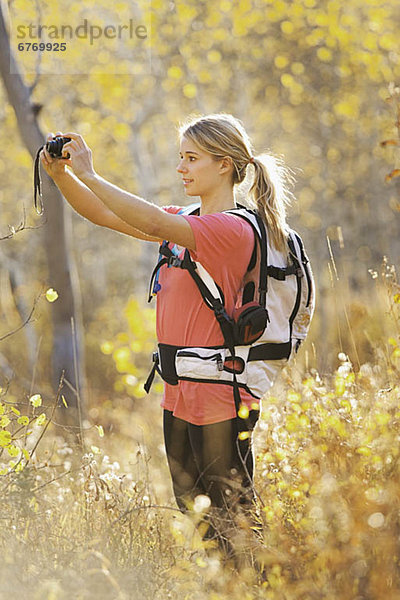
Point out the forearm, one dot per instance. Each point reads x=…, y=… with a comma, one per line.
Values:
x=80, y=197
x=135, y=211
x=86, y=203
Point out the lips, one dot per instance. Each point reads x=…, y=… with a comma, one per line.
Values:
x=187, y=181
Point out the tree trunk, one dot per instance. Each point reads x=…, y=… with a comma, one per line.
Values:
x=56, y=240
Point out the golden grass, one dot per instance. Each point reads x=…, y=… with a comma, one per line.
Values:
x=100, y=522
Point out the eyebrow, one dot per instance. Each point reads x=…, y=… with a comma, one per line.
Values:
x=190, y=152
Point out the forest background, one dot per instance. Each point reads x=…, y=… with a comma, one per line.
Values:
x=314, y=81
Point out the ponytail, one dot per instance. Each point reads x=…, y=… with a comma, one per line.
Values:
x=270, y=196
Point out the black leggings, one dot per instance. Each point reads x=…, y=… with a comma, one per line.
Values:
x=211, y=460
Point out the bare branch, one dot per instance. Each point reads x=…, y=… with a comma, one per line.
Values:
x=49, y=420
x=27, y=320
x=21, y=227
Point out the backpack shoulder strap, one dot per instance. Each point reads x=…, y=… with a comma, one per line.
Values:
x=165, y=253
x=260, y=235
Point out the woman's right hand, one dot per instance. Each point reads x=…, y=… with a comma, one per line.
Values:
x=54, y=167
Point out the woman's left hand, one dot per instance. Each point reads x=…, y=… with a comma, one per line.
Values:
x=80, y=154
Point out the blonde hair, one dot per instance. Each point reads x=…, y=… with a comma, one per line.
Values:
x=222, y=135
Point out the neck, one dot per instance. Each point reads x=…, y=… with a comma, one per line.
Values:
x=217, y=202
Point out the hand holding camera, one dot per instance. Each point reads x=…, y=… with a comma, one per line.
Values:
x=51, y=155
x=61, y=150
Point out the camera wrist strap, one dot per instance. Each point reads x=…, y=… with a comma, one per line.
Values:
x=37, y=184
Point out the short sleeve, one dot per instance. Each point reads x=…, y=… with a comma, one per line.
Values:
x=220, y=238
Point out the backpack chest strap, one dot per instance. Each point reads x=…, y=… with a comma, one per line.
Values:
x=280, y=273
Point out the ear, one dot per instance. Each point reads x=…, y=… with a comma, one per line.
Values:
x=226, y=165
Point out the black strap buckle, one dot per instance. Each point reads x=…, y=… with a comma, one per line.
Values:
x=174, y=261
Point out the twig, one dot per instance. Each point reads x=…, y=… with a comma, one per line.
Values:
x=70, y=386
x=131, y=510
x=39, y=487
x=78, y=396
x=21, y=227
x=55, y=404
x=27, y=320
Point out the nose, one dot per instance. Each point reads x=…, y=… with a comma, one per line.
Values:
x=180, y=166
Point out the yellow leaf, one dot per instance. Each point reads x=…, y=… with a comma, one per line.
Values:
x=15, y=411
x=243, y=412
x=121, y=132
x=23, y=420
x=280, y=454
x=392, y=175
x=4, y=421
x=41, y=420
x=138, y=391
x=51, y=295
x=296, y=494
x=364, y=451
x=190, y=90
x=5, y=438
x=340, y=386
x=36, y=400
x=200, y=562
x=175, y=72
x=100, y=430
x=158, y=387
x=324, y=54
x=281, y=61
x=107, y=347
x=13, y=450
x=269, y=513
x=390, y=143
x=64, y=401
x=293, y=396
x=382, y=418
x=287, y=27
x=214, y=56
x=287, y=80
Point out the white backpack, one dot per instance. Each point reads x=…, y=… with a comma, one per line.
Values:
x=271, y=319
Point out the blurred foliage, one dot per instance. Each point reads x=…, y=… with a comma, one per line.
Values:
x=103, y=520
x=131, y=350
x=309, y=79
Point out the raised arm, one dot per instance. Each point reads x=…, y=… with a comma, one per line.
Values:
x=138, y=213
x=83, y=200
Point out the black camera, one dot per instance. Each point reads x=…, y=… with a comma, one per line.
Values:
x=54, y=147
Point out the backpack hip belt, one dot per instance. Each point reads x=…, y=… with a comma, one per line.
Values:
x=251, y=366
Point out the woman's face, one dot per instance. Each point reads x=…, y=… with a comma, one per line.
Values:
x=199, y=171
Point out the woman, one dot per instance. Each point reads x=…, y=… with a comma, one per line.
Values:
x=210, y=467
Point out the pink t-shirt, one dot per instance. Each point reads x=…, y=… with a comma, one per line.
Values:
x=224, y=244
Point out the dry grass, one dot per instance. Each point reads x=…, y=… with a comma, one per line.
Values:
x=100, y=522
